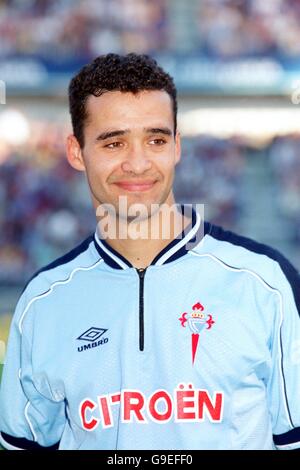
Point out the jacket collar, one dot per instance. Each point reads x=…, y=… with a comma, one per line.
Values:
x=188, y=239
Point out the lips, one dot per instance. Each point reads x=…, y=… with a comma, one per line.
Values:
x=135, y=185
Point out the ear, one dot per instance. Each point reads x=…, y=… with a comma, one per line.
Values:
x=74, y=153
x=177, y=147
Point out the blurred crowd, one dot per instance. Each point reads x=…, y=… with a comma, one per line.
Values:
x=211, y=173
x=63, y=30
x=285, y=160
x=234, y=28
x=45, y=208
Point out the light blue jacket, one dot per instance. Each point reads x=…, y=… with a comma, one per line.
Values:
x=199, y=351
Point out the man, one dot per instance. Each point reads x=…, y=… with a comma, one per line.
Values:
x=134, y=341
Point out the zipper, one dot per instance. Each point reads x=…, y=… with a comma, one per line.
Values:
x=141, y=272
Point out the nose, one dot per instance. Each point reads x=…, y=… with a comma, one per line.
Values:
x=137, y=160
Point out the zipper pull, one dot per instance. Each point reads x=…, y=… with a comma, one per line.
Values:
x=141, y=272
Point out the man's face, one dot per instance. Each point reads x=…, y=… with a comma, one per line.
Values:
x=129, y=148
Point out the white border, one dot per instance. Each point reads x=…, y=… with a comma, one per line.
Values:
x=109, y=253
x=291, y=446
x=57, y=283
x=6, y=445
x=183, y=242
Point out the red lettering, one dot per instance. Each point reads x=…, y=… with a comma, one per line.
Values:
x=160, y=395
x=214, y=410
x=133, y=402
x=185, y=399
x=89, y=425
x=116, y=398
x=105, y=412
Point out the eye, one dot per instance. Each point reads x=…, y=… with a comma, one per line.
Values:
x=157, y=142
x=113, y=145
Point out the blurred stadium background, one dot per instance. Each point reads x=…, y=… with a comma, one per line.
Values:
x=237, y=67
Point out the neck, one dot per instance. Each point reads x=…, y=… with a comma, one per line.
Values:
x=140, y=242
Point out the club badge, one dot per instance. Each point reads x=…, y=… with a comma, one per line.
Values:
x=198, y=321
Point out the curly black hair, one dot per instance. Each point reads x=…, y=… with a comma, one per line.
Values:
x=129, y=73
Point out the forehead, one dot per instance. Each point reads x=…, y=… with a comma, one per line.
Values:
x=115, y=108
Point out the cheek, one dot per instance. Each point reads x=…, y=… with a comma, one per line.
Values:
x=169, y=169
x=165, y=163
x=99, y=168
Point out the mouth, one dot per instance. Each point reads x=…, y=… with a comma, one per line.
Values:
x=135, y=186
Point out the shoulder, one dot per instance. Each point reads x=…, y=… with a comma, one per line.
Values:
x=60, y=272
x=236, y=243
x=82, y=256
x=244, y=253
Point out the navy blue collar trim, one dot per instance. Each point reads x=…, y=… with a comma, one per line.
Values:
x=174, y=250
x=111, y=256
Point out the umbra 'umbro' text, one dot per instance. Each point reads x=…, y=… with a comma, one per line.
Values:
x=92, y=337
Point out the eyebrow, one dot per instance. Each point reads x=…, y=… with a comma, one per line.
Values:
x=148, y=130
x=110, y=134
x=159, y=130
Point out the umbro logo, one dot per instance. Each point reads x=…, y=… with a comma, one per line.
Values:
x=92, y=337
